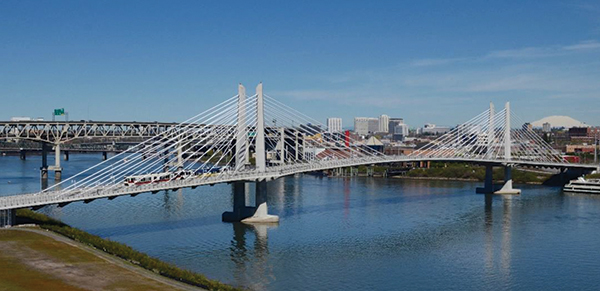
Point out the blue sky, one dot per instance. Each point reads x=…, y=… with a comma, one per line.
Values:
x=427, y=61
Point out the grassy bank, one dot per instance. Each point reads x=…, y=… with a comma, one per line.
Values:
x=472, y=172
x=121, y=250
x=43, y=260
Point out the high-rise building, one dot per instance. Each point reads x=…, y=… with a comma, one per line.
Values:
x=393, y=122
x=400, y=131
x=373, y=125
x=384, y=121
x=365, y=125
x=546, y=127
x=334, y=124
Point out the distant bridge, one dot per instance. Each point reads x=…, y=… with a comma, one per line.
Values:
x=257, y=139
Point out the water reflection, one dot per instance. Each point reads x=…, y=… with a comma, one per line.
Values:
x=252, y=267
x=173, y=202
x=505, y=249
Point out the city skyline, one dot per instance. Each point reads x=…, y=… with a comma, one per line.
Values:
x=144, y=60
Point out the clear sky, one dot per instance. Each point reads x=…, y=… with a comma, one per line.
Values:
x=426, y=61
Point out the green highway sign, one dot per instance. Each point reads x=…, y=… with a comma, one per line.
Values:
x=60, y=111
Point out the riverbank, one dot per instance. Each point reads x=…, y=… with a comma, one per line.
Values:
x=120, y=251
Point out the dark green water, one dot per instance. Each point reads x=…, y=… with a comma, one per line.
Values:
x=352, y=234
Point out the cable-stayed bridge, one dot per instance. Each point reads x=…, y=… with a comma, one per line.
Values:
x=257, y=138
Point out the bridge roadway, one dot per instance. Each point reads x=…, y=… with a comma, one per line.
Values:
x=63, y=131
x=112, y=191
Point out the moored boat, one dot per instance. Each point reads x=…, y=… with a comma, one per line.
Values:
x=581, y=185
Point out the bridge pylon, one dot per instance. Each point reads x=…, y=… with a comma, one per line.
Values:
x=507, y=188
x=241, y=212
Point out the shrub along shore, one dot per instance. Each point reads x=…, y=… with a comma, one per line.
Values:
x=471, y=172
x=463, y=172
x=122, y=251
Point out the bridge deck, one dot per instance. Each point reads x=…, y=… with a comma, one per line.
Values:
x=119, y=189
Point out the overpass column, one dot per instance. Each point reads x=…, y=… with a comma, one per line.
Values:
x=7, y=217
x=57, y=168
x=44, y=168
x=282, y=152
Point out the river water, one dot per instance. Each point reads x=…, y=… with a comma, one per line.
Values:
x=351, y=233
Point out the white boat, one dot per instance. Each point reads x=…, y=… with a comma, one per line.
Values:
x=581, y=185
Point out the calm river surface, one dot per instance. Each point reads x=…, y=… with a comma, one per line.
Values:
x=351, y=234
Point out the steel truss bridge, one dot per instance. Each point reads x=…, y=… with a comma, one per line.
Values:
x=257, y=138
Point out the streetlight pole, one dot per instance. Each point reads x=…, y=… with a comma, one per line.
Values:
x=596, y=147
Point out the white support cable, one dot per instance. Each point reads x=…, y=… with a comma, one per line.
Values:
x=253, y=119
x=314, y=132
x=200, y=157
x=446, y=144
x=223, y=122
x=446, y=138
x=300, y=114
x=159, y=152
x=546, y=149
x=112, y=159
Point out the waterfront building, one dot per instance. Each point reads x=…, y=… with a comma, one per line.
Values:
x=334, y=124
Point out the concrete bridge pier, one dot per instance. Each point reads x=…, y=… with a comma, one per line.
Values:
x=370, y=171
x=261, y=213
x=489, y=187
x=57, y=169
x=507, y=188
x=44, y=168
x=249, y=214
x=7, y=217
x=22, y=154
